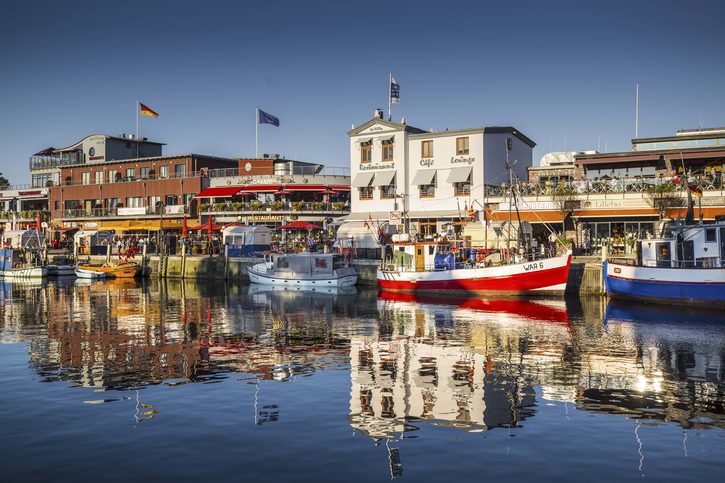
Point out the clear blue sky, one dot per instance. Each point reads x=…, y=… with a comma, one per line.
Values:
x=564, y=73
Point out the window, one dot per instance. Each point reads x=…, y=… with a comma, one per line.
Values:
x=130, y=174
x=134, y=202
x=112, y=175
x=145, y=173
x=387, y=192
x=113, y=202
x=320, y=263
x=461, y=146
x=462, y=189
x=427, y=190
x=426, y=149
x=41, y=180
x=85, y=178
x=388, y=150
x=56, y=205
x=98, y=175
x=366, y=153
x=163, y=171
x=283, y=262
x=366, y=192
x=154, y=201
x=710, y=235
x=171, y=200
x=179, y=170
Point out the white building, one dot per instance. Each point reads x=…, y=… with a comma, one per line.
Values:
x=433, y=177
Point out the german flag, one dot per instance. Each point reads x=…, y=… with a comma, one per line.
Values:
x=695, y=191
x=147, y=111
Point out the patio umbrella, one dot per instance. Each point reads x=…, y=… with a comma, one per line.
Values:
x=282, y=191
x=299, y=225
x=328, y=191
x=184, y=228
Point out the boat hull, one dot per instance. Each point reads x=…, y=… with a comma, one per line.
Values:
x=89, y=274
x=541, y=277
x=123, y=270
x=60, y=270
x=257, y=274
x=700, y=287
x=25, y=273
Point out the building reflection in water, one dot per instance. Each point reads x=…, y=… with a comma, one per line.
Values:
x=471, y=364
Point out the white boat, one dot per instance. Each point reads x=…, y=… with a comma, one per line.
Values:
x=85, y=273
x=16, y=265
x=303, y=270
x=685, y=268
x=56, y=270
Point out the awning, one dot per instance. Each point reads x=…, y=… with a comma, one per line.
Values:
x=363, y=179
x=262, y=188
x=424, y=176
x=384, y=178
x=304, y=187
x=385, y=138
x=363, y=140
x=219, y=192
x=340, y=188
x=459, y=175
x=530, y=216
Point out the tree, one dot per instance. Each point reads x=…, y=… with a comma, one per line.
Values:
x=4, y=183
x=663, y=197
x=565, y=199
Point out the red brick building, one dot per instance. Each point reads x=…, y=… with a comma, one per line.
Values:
x=134, y=189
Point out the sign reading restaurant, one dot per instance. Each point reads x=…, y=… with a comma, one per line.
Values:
x=368, y=167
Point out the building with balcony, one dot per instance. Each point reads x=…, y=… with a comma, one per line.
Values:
x=611, y=199
x=23, y=205
x=153, y=192
x=45, y=165
x=273, y=191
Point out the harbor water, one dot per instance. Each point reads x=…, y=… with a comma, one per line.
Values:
x=171, y=380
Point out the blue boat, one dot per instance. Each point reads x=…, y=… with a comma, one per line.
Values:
x=685, y=268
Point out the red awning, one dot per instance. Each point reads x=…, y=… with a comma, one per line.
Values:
x=219, y=192
x=304, y=187
x=299, y=225
x=340, y=188
x=262, y=188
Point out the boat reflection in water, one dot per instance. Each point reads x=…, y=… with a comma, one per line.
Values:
x=418, y=366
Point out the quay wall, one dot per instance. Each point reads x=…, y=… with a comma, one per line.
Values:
x=584, y=277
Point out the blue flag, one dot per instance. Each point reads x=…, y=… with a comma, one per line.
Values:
x=265, y=118
x=394, y=91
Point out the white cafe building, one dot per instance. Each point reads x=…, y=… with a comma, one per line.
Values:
x=430, y=178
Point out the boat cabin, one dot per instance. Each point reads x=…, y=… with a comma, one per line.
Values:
x=303, y=263
x=691, y=246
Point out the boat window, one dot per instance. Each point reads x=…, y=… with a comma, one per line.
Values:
x=282, y=262
x=710, y=235
x=663, y=255
x=431, y=250
x=320, y=263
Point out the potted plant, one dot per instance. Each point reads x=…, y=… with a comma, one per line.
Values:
x=296, y=206
x=276, y=206
x=204, y=207
x=255, y=205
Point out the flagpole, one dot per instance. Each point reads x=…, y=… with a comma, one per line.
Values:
x=256, y=133
x=137, y=108
x=390, y=86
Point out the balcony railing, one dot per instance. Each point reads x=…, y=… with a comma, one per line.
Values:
x=126, y=212
x=276, y=206
x=123, y=179
x=298, y=170
x=55, y=160
x=24, y=215
x=608, y=186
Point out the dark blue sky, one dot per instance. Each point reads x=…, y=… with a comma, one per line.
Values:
x=564, y=73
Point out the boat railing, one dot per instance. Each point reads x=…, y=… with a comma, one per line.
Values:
x=702, y=262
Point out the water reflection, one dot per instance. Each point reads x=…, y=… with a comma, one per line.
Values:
x=469, y=365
